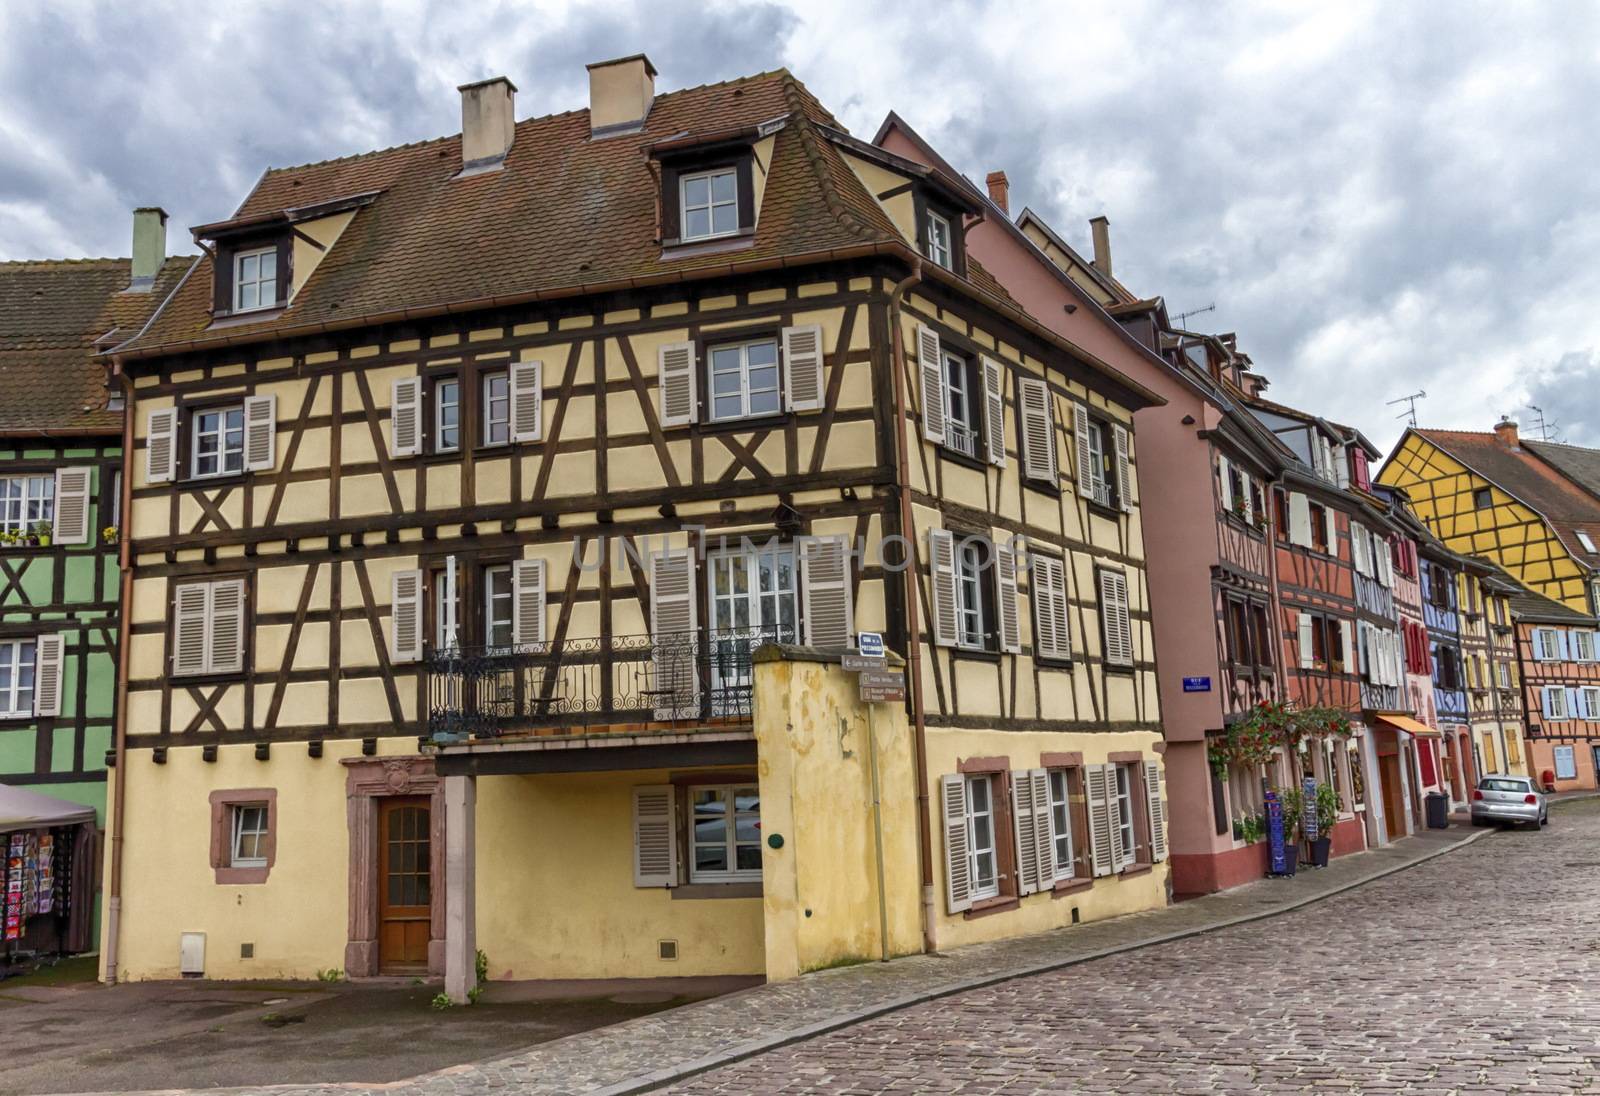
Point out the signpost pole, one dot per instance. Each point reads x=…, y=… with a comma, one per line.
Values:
x=877, y=834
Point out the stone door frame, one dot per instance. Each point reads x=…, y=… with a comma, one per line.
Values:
x=368, y=779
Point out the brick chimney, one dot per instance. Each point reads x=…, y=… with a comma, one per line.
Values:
x=1505, y=432
x=999, y=191
x=149, y=247
x=1102, y=244
x=488, y=124
x=620, y=94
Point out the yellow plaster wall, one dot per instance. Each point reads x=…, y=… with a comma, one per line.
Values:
x=878, y=180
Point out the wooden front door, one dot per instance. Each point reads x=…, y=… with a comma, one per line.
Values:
x=1393, y=805
x=405, y=887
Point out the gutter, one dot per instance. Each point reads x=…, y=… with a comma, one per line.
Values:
x=113, y=925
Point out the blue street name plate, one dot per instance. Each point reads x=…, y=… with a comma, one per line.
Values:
x=870, y=644
x=1197, y=684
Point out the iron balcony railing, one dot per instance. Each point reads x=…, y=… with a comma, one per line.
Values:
x=674, y=680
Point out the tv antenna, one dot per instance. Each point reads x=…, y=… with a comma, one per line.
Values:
x=1411, y=405
x=1545, y=428
x=1212, y=307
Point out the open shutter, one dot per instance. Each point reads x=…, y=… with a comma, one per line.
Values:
x=802, y=367
x=1005, y=580
x=405, y=417
x=930, y=367
x=260, y=433
x=655, y=842
x=1044, y=846
x=1347, y=645
x=1299, y=519
x=1051, y=621
x=405, y=616
x=1101, y=832
x=942, y=563
x=1306, y=647
x=1038, y=430
x=1328, y=532
x=1119, y=439
x=1115, y=625
x=161, y=446
x=1085, y=471
x=72, y=506
x=527, y=603
x=527, y=401
x=225, y=644
x=189, y=629
x=1226, y=492
x=994, y=411
x=675, y=368
x=957, y=864
x=825, y=590
x=1572, y=703
x=1156, y=811
x=672, y=629
x=1359, y=548
x=47, y=675
x=1025, y=831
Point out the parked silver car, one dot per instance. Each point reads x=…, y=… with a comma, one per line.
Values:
x=1509, y=799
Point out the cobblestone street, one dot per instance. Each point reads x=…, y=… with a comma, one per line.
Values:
x=1476, y=972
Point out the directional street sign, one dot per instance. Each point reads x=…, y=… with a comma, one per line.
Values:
x=883, y=679
x=862, y=662
x=873, y=695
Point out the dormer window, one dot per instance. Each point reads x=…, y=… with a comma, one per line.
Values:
x=255, y=279
x=710, y=204
x=938, y=245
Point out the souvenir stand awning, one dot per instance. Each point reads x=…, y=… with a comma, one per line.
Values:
x=21, y=809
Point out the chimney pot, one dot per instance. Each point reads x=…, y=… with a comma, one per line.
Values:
x=1505, y=432
x=488, y=123
x=149, y=247
x=1102, y=244
x=620, y=94
x=999, y=191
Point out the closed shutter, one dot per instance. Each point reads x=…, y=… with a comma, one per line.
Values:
x=1119, y=440
x=802, y=367
x=957, y=863
x=1156, y=811
x=1048, y=587
x=47, y=675
x=527, y=401
x=1347, y=644
x=260, y=433
x=655, y=839
x=1328, y=532
x=994, y=411
x=1101, y=832
x=1342, y=466
x=1385, y=551
x=1307, y=647
x=1005, y=581
x=1043, y=837
x=1086, y=472
x=528, y=603
x=189, y=629
x=675, y=369
x=672, y=628
x=226, y=640
x=1299, y=519
x=1572, y=703
x=942, y=564
x=1563, y=646
x=1038, y=430
x=72, y=506
x=405, y=417
x=930, y=367
x=161, y=446
x=1025, y=829
x=1359, y=548
x=825, y=590
x=1114, y=619
x=405, y=616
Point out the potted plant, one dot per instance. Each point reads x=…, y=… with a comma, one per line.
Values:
x=1293, y=801
x=109, y=534
x=9, y=537
x=1327, y=808
x=41, y=534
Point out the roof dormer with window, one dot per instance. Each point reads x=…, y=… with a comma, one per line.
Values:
x=712, y=187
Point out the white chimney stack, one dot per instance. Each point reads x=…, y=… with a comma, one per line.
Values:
x=488, y=124
x=620, y=94
x=149, y=247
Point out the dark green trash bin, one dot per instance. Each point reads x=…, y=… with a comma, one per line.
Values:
x=1438, y=807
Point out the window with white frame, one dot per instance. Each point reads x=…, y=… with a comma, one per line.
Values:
x=217, y=441
x=447, y=631
x=1122, y=812
x=249, y=844
x=1546, y=644
x=16, y=677
x=1244, y=791
x=1588, y=702
x=1582, y=645
x=25, y=500
x=744, y=380
x=446, y=415
x=255, y=279
x=724, y=834
x=496, y=408
x=961, y=401
x=753, y=590
x=497, y=630
x=983, y=864
x=1061, y=822
x=1555, y=702
x=971, y=591
x=938, y=245
x=1503, y=671
x=709, y=203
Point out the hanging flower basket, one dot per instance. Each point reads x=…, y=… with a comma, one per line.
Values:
x=1272, y=726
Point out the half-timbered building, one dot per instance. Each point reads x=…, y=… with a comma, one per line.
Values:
x=1494, y=741
x=1559, y=660
x=502, y=506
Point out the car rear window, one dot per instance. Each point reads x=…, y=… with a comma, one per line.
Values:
x=1493, y=785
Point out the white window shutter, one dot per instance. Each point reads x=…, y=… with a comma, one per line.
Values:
x=1299, y=519
x=405, y=616
x=1385, y=552
x=672, y=627
x=1051, y=618
x=1025, y=833
x=527, y=401
x=1044, y=848
x=675, y=369
x=1223, y=465
x=1306, y=651
x=225, y=641
x=1347, y=645
x=260, y=433
x=47, y=675
x=825, y=591
x=72, y=505
x=1005, y=579
x=802, y=367
x=1119, y=438
x=161, y=446
x=528, y=603
x=1156, y=811
x=655, y=838
x=1087, y=475
x=1328, y=532
x=405, y=417
x=1341, y=463
x=1038, y=430
x=942, y=563
x=191, y=604
x=1358, y=547
x=1102, y=834
x=1115, y=624
x=957, y=863
x=930, y=367
x=994, y=411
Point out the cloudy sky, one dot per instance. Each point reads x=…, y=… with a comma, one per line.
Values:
x=1379, y=198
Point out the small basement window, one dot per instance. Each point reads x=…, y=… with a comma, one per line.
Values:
x=249, y=847
x=255, y=279
x=709, y=203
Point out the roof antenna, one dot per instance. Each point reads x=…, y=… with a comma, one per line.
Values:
x=1545, y=428
x=1212, y=307
x=1411, y=406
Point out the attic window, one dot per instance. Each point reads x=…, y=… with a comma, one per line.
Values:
x=1583, y=539
x=710, y=204
x=255, y=279
x=707, y=193
x=938, y=246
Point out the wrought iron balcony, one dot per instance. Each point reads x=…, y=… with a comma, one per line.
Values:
x=671, y=681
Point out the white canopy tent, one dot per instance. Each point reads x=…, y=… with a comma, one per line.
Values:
x=21, y=809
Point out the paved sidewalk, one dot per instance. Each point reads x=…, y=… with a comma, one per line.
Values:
x=650, y=1052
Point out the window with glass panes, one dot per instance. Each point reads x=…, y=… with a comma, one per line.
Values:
x=217, y=441
x=16, y=677
x=724, y=834
x=961, y=405
x=753, y=590
x=1061, y=822
x=982, y=861
x=249, y=848
x=446, y=616
x=1122, y=812
x=446, y=415
x=255, y=279
x=970, y=564
x=25, y=500
x=744, y=380
x=497, y=630
x=710, y=204
x=938, y=245
x=496, y=409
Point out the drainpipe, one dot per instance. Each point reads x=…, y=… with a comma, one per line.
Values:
x=919, y=723
x=119, y=769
